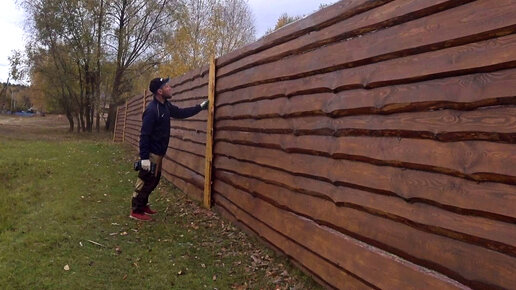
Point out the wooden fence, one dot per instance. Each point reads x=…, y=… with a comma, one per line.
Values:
x=372, y=142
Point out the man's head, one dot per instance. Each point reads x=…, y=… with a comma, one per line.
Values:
x=160, y=87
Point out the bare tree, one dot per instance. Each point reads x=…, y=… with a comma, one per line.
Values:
x=138, y=27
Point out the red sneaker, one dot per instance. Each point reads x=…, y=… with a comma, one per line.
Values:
x=140, y=216
x=148, y=210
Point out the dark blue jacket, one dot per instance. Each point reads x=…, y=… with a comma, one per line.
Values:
x=155, y=131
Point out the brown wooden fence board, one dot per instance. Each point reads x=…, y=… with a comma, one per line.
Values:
x=392, y=13
x=182, y=145
x=459, y=60
x=369, y=263
x=428, y=187
x=494, y=20
x=329, y=272
x=191, y=136
x=197, y=94
x=198, y=126
x=188, y=160
x=192, y=191
x=469, y=88
x=481, y=161
x=464, y=92
x=343, y=214
x=174, y=168
x=317, y=21
x=189, y=76
x=471, y=261
x=386, y=206
x=493, y=124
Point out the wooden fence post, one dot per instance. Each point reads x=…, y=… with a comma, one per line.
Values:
x=125, y=122
x=116, y=121
x=209, y=135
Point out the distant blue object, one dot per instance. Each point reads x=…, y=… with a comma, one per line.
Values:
x=24, y=114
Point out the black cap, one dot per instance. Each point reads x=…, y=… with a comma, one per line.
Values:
x=157, y=83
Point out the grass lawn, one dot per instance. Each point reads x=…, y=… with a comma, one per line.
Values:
x=64, y=206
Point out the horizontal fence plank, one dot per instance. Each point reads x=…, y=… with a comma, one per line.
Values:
x=186, y=146
x=318, y=98
x=455, y=61
x=172, y=167
x=189, y=136
x=325, y=17
x=459, y=195
x=329, y=272
x=369, y=263
x=190, y=76
x=196, y=93
x=482, y=232
x=457, y=27
x=188, y=160
x=480, y=161
x=490, y=124
x=191, y=190
x=461, y=261
x=390, y=14
x=190, y=125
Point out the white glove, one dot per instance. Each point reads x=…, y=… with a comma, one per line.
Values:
x=146, y=164
x=204, y=105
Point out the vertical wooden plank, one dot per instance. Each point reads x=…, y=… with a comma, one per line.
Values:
x=209, y=135
x=116, y=123
x=125, y=122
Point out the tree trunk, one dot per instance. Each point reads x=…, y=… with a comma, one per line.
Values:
x=70, y=121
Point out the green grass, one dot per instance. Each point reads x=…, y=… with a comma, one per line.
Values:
x=56, y=196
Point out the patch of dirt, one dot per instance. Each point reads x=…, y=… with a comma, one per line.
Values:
x=49, y=127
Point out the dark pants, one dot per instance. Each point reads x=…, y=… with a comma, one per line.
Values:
x=145, y=184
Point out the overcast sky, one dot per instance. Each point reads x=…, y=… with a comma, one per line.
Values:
x=266, y=12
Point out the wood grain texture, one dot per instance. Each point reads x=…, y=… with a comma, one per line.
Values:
x=341, y=204
x=188, y=160
x=182, y=145
x=496, y=124
x=319, y=20
x=191, y=190
x=418, y=39
x=176, y=169
x=369, y=263
x=479, y=161
x=356, y=212
x=332, y=274
x=189, y=136
x=440, y=190
x=390, y=14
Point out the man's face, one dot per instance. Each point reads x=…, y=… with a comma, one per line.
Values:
x=166, y=91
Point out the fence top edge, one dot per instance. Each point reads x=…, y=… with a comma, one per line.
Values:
x=323, y=17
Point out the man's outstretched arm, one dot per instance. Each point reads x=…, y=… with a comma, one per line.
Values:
x=182, y=113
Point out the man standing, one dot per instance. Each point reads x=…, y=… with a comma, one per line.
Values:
x=155, y=134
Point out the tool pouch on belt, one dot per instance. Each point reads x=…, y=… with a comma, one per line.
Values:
x=157, y=161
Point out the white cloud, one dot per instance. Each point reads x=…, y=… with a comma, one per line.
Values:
x=11, y=31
